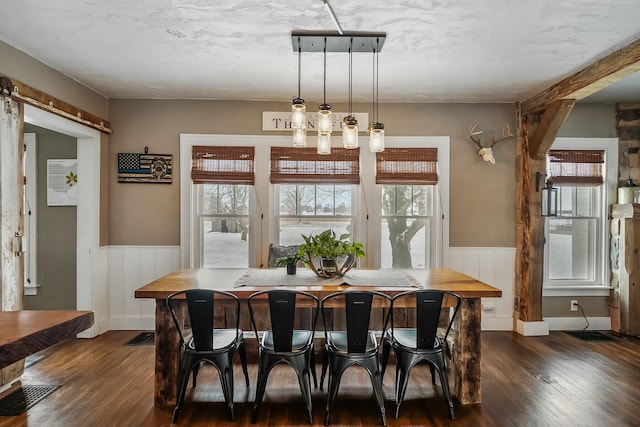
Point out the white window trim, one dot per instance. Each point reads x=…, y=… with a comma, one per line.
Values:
x=263, y=211
x=610, y=146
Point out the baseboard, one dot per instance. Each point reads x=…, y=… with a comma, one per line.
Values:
x=530, y=329
x=132, y=324
x=497, y=324
x=578, y=323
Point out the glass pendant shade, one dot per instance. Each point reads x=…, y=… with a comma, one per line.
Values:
x=325, y=119
x=350, y=132
x=298, y=114
x=324, y=143
x=376, y=137
x=300, y=137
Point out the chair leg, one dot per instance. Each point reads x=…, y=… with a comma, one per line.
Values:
x=444, y=381
x=376, y=382
x=433, y=374
x=195, y=371
x=183, y=379
x=402, y=379
x=335, y=376
x=243, y=362
x=225, y=371
x=264, y=367
x=325, y=363
x=312, y=366
x=386, y=349
x=301, y=366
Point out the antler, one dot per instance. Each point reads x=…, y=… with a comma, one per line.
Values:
x=506, y=133
x=473, y=132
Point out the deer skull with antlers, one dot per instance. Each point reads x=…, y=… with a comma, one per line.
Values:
x=487, y=152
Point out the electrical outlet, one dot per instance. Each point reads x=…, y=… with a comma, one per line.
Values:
x=574, y=305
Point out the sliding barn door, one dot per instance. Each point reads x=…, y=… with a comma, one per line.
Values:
x=11, y=191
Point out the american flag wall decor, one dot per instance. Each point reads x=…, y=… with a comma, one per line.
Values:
x=145, y=168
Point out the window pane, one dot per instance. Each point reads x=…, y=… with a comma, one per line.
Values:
x=224, y=199
x=571, y=254
x=403, y=243
x=291, y=230
x=225, y=242
x=407, y=200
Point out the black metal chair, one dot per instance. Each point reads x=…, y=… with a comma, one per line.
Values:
x=356, y=343
x=283, y=340
x=202, y=341
x=425, y=342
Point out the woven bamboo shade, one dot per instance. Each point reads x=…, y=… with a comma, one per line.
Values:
x=222, y=165
x=576, y=167
x=407, y=166
x=305, y=165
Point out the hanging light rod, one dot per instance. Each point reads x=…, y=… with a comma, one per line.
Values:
x=317, y=41
x=333, y=16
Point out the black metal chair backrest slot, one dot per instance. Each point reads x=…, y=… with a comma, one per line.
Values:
x=428, y=305
x=200, y=303
x=358, y=311
x=283, y=310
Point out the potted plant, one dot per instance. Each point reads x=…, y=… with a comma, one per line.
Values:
x=328, y=255
x=291, y=262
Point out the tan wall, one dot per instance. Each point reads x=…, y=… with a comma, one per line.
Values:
x=482, y=194
x=20, y=66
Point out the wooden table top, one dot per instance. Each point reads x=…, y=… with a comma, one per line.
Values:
x=224, y=279
x=25, y=332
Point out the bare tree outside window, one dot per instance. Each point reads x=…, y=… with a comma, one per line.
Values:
x=406, y=210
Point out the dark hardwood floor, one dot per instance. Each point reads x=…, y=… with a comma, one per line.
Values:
x=556, y=380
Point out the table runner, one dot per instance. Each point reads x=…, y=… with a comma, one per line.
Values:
x=304, y=277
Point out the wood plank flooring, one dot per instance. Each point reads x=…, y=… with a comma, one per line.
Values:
x=556, y=380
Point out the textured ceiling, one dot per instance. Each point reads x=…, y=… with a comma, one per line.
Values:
x=435, y=51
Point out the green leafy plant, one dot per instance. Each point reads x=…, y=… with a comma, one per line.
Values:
x=290, y=259
x=329, y=255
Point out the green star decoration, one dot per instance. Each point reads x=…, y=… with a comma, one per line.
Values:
x=72, y=179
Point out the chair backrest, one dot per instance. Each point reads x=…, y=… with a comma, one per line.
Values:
x=431, y=314
x=199, y=320
x=277, y=252
x=285, y=314
x=357, y=307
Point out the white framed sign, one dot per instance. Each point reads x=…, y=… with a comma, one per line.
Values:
x=279, y=121
x=62, y=182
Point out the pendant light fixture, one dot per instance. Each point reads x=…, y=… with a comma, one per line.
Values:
x=325, y=119
x=376, y=129
x=345, y=42
x=349, y=123
x=299, y=112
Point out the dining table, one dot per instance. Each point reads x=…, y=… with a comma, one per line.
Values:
x=466, y=332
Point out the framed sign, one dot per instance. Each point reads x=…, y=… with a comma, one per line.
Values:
x=145, y=168
x=62, y=182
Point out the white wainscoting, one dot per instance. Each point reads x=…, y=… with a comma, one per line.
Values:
x=495, y=267
x=130, y=267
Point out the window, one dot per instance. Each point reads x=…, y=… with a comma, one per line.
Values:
x=407, y=209
x=222, y=177
x=282, y=192
x=314, y=191
x=576, y=249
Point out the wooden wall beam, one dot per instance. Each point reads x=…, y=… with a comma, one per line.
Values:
x=550, y=122
x=36, y=98
x=588, y=80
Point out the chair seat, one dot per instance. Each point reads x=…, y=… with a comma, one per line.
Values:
x=299, y=341
x=223, y=339
x=406, y=339
x=337, y=340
